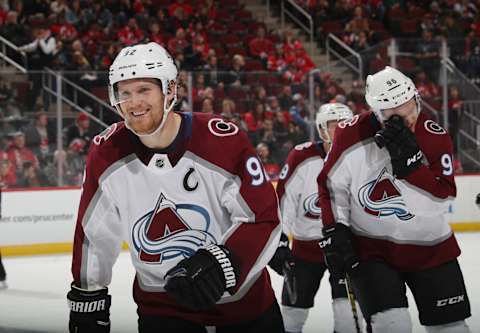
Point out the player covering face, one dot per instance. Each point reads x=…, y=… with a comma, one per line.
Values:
x=384, y=191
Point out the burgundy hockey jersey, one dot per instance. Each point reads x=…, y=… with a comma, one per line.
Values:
x=207, y=187
x=298, y=196
x=401, y=221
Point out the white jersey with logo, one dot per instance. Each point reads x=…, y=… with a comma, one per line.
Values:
x=207, y=187
x=399, y=220
x=298, y=196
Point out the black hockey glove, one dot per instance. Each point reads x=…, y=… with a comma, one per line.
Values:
x=89, y=310
x=282, y=255
x=337, y=247
x=199, y=282
x=401, y=144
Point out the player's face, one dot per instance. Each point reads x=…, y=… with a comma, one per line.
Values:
x=328, y=133
x=142, y=104
x=407, y=111
x=331, y=126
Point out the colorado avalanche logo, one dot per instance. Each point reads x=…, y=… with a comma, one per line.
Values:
x=381, y=198
x=163, y=234
x=311, y=206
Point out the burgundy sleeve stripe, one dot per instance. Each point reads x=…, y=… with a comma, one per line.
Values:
x=440, y=188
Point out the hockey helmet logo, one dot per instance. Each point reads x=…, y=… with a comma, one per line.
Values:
x=164, y=233
x=380, y=197
x=311, y=206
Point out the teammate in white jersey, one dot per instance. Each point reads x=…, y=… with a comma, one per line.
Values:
x=384, y=191
x=190, y=196
x=304, y=266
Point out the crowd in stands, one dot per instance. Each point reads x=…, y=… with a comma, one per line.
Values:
x=241, y=70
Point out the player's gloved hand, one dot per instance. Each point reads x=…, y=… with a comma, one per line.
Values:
x=337, y=247
x=282, y=255
x=89, y=310
x=199, y=282
x=401, y=144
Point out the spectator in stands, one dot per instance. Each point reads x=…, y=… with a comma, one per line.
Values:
x=41, y=54
x=79, y=130
x=28, y=176
x=266, y=135
x=64, y=31
x=455, y=104
x=261, y=47
x=237, y=120
x=58, y=7
x=236, y=73
x=357, y=95
x=18, y=154
x=177, y=44
x=207, y=105
x=196, y=53
x=271, y=166
x=155, y=34
x=180, y=4
x=285, y=98
x=276, y=61
x=212, y=70
x=295, y=135
x=261, y=94
x=426, y=88
x=6, y=125
x=428, y=55
x=254, y=119
x=228, y=109
x=298, y=111
x=73, y=12
x=99, y=14
x=454, y=32
x=14, y=31
x=182, y=99
x=131, y=33
x=280, y=128
x=38, y=136
x=358, y=23
x=8, y=177
x=73, y=163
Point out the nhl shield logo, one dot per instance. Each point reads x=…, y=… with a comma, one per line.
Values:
x=160, y=162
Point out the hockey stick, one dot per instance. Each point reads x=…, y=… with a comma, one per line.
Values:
x=353, y=302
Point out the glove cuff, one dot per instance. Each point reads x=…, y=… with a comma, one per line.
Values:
x=223, y=258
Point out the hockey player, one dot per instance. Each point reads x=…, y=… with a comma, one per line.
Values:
x=303, y=269
x=190, y=196
x=384, y=192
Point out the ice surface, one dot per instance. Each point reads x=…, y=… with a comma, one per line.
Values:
x=35, y=300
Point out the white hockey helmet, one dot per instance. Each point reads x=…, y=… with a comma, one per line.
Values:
x=331, y=112
x=144, y=61
x=389, y=88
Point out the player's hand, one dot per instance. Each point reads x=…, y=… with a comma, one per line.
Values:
x=400, y=142
x=199, y=282
x=89, y=310
x=282, y=255
x=337, y=247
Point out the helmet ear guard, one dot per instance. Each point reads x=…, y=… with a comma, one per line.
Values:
x=331, y=112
